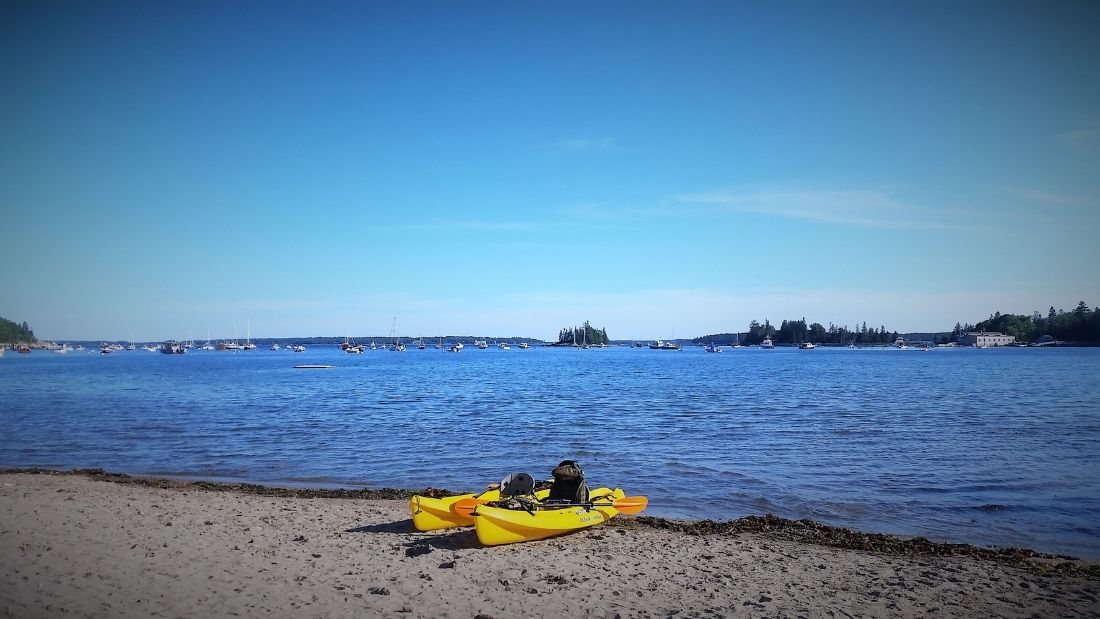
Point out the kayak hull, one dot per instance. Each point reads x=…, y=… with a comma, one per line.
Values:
x=496, y=525
x=431, y=514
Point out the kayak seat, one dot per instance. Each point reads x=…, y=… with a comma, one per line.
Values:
x=517, y=484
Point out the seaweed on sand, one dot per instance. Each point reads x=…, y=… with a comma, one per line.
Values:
x=810, y=532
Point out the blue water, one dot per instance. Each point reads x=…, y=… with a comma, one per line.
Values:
x=993, y=447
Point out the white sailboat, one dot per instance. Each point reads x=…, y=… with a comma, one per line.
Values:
x=248, y=345
x=397, y=346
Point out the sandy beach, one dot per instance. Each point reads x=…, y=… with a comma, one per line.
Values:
x=82, y=545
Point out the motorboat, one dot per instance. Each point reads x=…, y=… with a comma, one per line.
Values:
x=172, y=348
x=662, y=345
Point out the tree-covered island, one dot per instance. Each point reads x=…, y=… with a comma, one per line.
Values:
x=584, y=334
x=12, y=333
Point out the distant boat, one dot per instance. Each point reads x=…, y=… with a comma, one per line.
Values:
x=503, y=346
x=420, y=345
x=662, y=345
x=248, y=345
x=274, y=346
x=103, y=350
x=807, y=346
x=900, y=343
x=456, y=348
x=150, y=348
x=298, y=348
x=482, y=344
x=767, y=343
x=736, y=341
x=172, y=348
x=712, y=348
x=524, y=345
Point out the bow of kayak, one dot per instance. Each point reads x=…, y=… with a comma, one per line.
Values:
x=431, y=514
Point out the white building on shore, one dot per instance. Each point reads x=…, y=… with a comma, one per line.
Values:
x=985, y=339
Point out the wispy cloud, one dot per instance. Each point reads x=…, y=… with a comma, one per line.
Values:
x=872, y=209
x=586, y=144
x=1046, y=198
x=1083, y=140
x=475, y=225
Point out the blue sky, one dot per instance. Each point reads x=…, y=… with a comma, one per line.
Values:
x=175, y=169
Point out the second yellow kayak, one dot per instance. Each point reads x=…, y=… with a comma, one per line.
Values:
x=431, y=514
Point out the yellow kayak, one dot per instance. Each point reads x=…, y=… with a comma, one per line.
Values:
x=430, y=514
x=496, y=525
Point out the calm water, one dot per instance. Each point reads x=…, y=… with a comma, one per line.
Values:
x=981, y=446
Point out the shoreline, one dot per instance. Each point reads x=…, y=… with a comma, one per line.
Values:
x=71, y=544
x=803, y=531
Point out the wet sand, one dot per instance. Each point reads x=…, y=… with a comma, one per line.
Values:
x=80, y=545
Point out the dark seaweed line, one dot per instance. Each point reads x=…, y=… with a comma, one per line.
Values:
x=770, y=526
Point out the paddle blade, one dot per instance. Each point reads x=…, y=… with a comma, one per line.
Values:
x=465, y=507
x=630, y=504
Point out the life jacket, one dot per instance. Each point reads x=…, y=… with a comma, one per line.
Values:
x=568, y=486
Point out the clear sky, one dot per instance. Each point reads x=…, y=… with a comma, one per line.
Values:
x=173, y=169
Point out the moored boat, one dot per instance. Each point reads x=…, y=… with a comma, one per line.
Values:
x=767, y=343
x=662, y=345
x=172, y=348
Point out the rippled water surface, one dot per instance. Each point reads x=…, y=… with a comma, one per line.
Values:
x=981, y=446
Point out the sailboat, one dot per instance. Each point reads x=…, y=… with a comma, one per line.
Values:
x=737, y=340
x=248, y=345
x=397, y=346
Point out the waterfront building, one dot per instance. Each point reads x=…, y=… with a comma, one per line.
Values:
x=983, y=339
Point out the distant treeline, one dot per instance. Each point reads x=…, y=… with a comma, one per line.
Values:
x=12, y=333
x=797, y=331
x=1080, y=325
x=585, y=334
